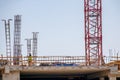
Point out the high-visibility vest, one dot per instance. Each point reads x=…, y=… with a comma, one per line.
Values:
x=29, y=58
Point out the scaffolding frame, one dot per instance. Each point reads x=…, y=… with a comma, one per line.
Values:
x=34, y=45
x=8, y=39
x=17, y=39
x=28, y=46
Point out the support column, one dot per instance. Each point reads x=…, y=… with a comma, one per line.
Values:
x=112, y=78
x=11, y=76
x=101, y=78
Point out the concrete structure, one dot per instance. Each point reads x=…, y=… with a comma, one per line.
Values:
x=69, y=72
x=61, y=72
x=15, y=75
x=55, y=69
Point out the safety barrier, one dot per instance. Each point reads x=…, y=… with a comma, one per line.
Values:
x=44, y=60
x=49, y=60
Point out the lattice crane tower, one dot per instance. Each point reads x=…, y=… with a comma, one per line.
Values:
x=93, y=32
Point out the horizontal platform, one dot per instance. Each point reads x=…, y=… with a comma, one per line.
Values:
x=56, y=70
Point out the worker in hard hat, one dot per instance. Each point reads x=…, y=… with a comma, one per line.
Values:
x=30, y=60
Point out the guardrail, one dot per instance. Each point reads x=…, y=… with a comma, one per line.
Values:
x=38, y=60
x=49, y=60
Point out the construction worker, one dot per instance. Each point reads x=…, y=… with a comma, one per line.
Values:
x=30, y=60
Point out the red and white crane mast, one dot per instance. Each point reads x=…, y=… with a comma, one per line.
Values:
x=93, y=32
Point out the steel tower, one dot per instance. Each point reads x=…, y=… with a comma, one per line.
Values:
x=93, y=32
x=34, y=50
x=8, y=39
x=28, y=46
x=17, y=39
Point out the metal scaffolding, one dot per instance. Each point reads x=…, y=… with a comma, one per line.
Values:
x=8, y=39
x=28, y=46
x=34, y=46
x=17, y=39
x=93, y=32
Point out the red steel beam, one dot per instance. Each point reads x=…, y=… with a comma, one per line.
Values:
x=93, y=32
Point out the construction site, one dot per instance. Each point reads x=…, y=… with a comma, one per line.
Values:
x=92, y=66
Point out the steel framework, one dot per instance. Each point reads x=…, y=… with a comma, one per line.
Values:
x=93, y=32
x=34, y=47
x=17, y=39
x=28, y=46
x=8, y=39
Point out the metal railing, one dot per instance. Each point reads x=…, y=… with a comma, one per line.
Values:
x=50, y=60
x=23, y=60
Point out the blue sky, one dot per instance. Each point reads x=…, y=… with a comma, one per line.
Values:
x=60, y=24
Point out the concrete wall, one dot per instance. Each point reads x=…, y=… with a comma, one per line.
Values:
x=11, y=76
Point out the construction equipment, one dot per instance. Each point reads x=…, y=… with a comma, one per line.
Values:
x=28, y=46
x=34, y=46
x=17, y=39
x=8, y=39
x=93, y=32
